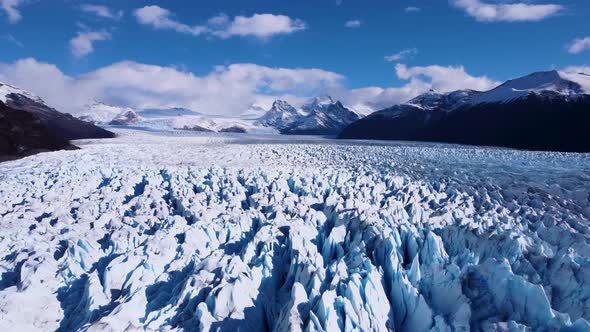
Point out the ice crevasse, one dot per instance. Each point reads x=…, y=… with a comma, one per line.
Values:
x=286, y=249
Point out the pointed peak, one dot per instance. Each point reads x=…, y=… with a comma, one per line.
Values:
x=280, y=103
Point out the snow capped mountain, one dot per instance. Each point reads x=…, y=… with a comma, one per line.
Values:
x=174, y=118
x=363, y=109
x=7, y=90
x=540, y=111
x=281, y=116
x=126, y=118
x=548, y=83
x=433, y=100
x=101, y=113
x=320, y=116
x=201, y=123
x=318, y=103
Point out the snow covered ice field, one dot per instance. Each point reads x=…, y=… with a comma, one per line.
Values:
x=221, y=233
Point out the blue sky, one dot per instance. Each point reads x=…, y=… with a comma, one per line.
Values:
x=350, y=38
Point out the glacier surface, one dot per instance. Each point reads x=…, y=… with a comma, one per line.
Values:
x=226, y=233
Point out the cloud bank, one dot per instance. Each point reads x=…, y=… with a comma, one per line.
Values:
x=226, y=90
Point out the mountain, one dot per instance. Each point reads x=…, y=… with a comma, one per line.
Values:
x=29, y=126
x=22, y=134
x=126, y=118
x=101, y=113
x=542, y=111
x=185, y=119
x=281, y=116
x=174, y=118
x=320, y=116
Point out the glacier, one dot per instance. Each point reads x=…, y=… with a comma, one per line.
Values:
x=162, y=231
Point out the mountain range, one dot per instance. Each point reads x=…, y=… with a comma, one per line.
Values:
x=320, y=116
x=541, y=111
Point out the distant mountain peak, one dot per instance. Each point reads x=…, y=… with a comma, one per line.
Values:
x=281, y=105
x=320, y=115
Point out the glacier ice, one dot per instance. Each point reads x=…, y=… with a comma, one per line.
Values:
x=216, y=233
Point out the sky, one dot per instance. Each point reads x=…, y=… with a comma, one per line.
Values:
x=221, y=56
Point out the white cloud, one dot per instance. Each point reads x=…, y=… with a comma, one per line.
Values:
x=401, y=55
x=10, y=7
x=83, y=43
x=353, y=24
x=225, y=90
x=445, y=79
x=261, y=25
x=577, y=69
x=412, y=9
x=258, y=25
x=579, y=45
x=101, y=11
x=509, y=12
x=160, y=18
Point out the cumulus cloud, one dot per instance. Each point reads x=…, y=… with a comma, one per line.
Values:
x=401, y=55
x=83, y=43
x=579, y=45
x=10, y=8
x=226, y=90
x=257, y=25
x=101, y=11
x=445, y=79
x=509, y=12
x=160, y=18
x=353, y=24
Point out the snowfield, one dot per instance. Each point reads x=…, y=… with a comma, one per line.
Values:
x=252, y=233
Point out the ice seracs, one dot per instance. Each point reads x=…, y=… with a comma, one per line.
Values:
x=158, y=232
